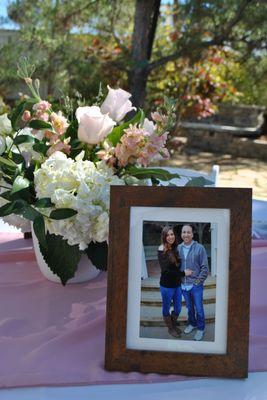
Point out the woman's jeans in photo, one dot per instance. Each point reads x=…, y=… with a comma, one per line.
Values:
x=169, y=296
x=194, y=304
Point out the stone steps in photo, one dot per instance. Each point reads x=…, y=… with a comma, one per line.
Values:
x=153, y=297
x=153, y=283
x=152, y=316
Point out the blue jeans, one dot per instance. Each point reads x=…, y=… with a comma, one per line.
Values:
x=194, y=304
x=169, y=296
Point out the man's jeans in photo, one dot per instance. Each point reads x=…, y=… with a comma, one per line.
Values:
x=194, y=304
x=170, y=295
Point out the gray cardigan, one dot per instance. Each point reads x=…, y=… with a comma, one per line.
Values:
x=197, y=261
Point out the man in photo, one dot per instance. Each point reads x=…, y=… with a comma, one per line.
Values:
x=194, y=257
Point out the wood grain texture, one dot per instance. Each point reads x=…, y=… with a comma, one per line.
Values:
x=235, y=362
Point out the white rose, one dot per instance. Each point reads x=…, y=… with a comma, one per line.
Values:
x=94, y=126
x=117, y=104
x=2, y=144
x=5, y=125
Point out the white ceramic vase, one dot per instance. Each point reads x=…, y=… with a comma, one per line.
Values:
x=85, y=271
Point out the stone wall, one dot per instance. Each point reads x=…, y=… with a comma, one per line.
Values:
x=236, y=115
x=225, y=142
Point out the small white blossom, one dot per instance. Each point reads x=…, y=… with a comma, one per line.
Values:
x=5, y=125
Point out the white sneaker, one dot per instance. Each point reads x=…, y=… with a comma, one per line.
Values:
x=199, y=335
x=189, y=329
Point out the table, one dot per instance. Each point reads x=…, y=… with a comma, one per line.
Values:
x=51, y=335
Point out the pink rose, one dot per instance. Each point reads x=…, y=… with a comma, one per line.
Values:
x=117, y=104
x=93, y=125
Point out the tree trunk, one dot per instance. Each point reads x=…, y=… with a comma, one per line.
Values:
x=145, y=24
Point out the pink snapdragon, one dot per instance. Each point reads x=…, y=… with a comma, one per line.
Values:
x=141, y=146
x=42, y=115
x=159, y=117
x=64, y=147
x=59, y=122
x=26, y=116
x=107, y=154
x=43, y=105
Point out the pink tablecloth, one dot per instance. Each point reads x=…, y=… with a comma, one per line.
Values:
x=54, y=335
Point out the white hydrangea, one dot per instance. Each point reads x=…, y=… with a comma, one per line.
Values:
x=82, y=186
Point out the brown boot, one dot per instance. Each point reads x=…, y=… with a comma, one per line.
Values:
x=175, y=323
x=171, y=330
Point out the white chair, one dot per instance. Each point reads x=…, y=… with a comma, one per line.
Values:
x=187, y=174
x=259, y=219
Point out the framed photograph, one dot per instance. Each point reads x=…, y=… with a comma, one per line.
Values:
x=179, y=280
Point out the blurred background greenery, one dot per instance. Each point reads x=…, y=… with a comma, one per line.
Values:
x=199, y=52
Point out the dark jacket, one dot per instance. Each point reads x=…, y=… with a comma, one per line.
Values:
x=170, y=272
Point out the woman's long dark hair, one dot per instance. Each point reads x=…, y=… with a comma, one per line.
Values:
x=170, y=250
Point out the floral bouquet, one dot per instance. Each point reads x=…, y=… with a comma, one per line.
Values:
x=56, y=169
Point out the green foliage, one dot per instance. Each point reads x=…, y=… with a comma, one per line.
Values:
x=60, y=257
x=200, y=181
x=154, y=174
x=98, y=254
x=79, y=43
x=62, y=213
x=118, y=131
x=39, y=230
x=37, y=124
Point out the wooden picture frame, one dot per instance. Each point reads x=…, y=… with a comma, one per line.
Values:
x=230, y=210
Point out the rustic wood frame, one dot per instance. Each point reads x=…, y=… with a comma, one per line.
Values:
x=235, y=362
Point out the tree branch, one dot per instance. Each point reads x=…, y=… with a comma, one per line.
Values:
x=224, y=35
x=65, y=20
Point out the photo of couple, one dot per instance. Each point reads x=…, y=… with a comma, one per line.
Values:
x=179, y=268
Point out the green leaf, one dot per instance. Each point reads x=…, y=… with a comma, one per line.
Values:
x=60, y=257
x=30, y=213
x=6, y=209
x=200, y=181
x=98, y=254
x=18, y=111
x=39, y=230
x=62, y=213
x=17, y=158
x=150, y=173
x=23, y=194
x=44, y=203
x=72, y=130
x=24, y=139
x=16, y=114
x=6, y=195
x=39, y=124
x=76, y=144
x=20, y=183
x=117, y=132
x=40, y=147
x=15, y=207
x=8, y=162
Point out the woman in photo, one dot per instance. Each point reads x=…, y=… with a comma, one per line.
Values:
x=170, y=280
x=194, y=256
